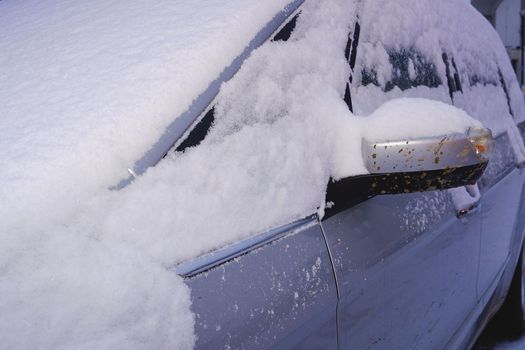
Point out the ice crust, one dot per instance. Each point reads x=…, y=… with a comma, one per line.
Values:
x=88, y=87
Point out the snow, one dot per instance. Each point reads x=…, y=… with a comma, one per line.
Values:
x=406, y=118
x=86, y=89
x=74, y=68
x=398, y=119
x=85, y=267
x=470, y=40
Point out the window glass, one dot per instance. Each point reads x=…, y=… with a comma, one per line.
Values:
x=452, y=76
x=286, y=31
x=409, y=69
x=199, y=131
x=386, y=73
x=476, y=79
x=487, y=97
x=351, y=56
x=501, y=162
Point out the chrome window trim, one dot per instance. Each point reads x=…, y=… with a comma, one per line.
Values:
x=179, y=126
x=208, y=261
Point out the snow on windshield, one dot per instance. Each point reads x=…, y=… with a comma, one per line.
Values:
x=85, y=267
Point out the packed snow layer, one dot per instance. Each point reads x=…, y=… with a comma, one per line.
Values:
x=85, y=267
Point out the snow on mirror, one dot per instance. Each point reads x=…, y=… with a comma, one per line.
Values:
x=416, y=145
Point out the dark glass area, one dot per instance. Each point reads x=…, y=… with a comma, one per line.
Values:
x=286, y=31
x=451, y=83
x=369, y=76
x=351, y=56
x=457, y=80
x=475, y=79
x=501, y=162
x=199, y=132
x=348, y=98
x=425, y=71
x=424, y=74
x=355, y=44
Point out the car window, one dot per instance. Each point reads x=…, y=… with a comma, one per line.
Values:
x=409, y=67
x=485, y=91
x=477, y=79
x=198, y=132
x=501, y=163
x=385, y=73
x=286, y=31
x=513, y=93
x=453, y=77
x=351, y=55
x=200, y=128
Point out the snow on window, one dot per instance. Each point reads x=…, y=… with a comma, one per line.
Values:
x=400, y=38
x=85, y=267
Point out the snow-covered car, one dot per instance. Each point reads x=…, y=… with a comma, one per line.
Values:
x=256, y=174
x=416, y=270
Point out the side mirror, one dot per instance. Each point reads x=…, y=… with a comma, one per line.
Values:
x=427, y=164
x=456, y=156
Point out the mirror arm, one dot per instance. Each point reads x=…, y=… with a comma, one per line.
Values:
x=348, y=192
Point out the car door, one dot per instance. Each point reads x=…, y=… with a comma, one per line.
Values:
x=501, y=188
x=275, y=290
x=405, y=264
x=502, y=182
x=490, y=93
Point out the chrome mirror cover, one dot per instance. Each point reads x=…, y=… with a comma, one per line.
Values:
x=428, y=154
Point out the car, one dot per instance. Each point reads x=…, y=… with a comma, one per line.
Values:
x=387, y=271
x=246, y=174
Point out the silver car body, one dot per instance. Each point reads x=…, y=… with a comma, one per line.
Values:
x=390, y=272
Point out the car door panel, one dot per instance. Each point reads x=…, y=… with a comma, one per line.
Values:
x=357, y=254
x=424, y=258
x=501, y=205
x=431, y=277
x=406, y=267
x=521, y=127
x=280, y=295
x=501, y=189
